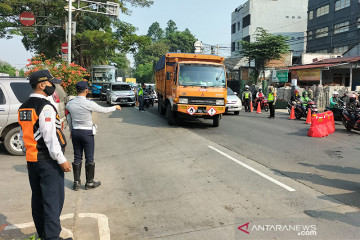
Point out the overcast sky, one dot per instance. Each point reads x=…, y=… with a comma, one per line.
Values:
x=208, y=20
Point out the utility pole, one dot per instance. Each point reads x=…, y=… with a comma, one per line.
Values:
x=69, y=30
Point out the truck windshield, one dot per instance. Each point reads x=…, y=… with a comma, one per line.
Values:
x=203, y=75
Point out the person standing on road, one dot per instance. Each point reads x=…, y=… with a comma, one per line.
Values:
x=44, y=145
x=246, y=97
x=271, y=101
x=82, y=133
x=141, y=97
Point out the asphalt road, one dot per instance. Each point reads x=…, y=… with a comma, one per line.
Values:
x=195, y=181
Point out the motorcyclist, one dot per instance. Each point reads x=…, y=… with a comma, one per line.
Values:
x=259, y=96
x=296, y=97
x=351, y=106
x=334, y=101
x=246, y=97
x=345, y=97
x=304, y=100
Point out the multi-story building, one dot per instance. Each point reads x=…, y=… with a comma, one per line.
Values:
x=286, y=17
x=333, y=25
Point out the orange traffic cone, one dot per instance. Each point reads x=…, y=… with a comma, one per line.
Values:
x=308, y=119
x=292, y=114
x=251, y=106
x=258, y=110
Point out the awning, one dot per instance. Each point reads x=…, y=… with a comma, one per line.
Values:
x=310, y=66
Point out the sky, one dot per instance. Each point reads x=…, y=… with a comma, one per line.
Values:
x=208, y=20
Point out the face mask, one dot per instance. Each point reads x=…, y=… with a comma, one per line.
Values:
x=49, y=90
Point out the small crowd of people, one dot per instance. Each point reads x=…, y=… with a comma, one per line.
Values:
x=351, y=103
x=247, y=97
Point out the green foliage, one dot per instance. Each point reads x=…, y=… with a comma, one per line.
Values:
x=151, y=53
x=171, y=28
x=7, y=68
x=183, y=41
x=32, y=238
x=265, y=48
x=144, y=73
x=155, y=32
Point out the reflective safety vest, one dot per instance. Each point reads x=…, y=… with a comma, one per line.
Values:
x=141, y=91
x=28, y=118
x=271, y=97
x=247, y=95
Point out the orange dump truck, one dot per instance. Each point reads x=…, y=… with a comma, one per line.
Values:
x=191, y=85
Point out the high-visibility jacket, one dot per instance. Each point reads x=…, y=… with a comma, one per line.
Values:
x=28, y=118
x=271, y=97
x=141, y=91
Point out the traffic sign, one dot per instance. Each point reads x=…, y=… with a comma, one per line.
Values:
x=65, y=57
x=27, y=18
x=212, y=111
x=191, y=110
x=65, y=48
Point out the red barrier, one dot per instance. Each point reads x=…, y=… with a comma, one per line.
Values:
x=322, y=124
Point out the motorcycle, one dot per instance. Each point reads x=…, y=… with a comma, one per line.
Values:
x=348, y=123
x=337, y=110
x=263, y=103
x=299, y=110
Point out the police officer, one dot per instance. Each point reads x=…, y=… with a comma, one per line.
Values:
x=44, y=144
x=246, y=97
x=82, y=133
x=271, y=101
x=141, y=97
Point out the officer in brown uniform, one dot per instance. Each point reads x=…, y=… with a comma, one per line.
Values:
x=44, y=144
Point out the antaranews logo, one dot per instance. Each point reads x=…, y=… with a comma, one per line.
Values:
x=245, y=225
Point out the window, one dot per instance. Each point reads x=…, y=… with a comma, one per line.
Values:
x=322, y=10
x=293, y=16
x=310, y=35
x=246, y=21
x=233, y=28
x=238, y=24
x=341, y=27
x=299, y=17
x=287, y=16
x=22, y=91
x=121, y=87
x=233, y=47
x=358, y=21
x=311, y=15
x=247, y=38
x=322, y=32
x=340, y=4
x=341, y=49
x=2, y=97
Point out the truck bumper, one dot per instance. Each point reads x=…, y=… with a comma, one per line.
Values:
x=199, y=110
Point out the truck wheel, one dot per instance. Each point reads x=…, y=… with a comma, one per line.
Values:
x=170, y=115
x=216, y=120
x=236, y=112
x=12, y=142
x=161, y=109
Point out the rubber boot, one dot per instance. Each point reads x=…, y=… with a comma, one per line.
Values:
x=90, y=172
x=77, y=174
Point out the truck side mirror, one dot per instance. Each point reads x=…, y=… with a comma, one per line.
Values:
x=168, y=75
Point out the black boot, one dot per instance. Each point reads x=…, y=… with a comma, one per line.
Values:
x=90, y=172
x=77, y=174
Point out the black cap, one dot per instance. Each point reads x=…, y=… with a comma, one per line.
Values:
x=41, y=76
x=82, y=85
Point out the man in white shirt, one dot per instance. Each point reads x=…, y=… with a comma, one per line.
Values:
x=82, y=133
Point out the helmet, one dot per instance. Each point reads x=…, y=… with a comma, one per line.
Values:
x=352, y=97
x=246, y=87
x=296, y=91
x=304, y=93
x=335, y=93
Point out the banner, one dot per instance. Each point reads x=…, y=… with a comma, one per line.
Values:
x=280, y=75
x=306, y=74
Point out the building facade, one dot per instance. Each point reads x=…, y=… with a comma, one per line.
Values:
x=333, y=25
x=286, y=17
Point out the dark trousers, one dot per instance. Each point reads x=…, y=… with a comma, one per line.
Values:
x=47, y=199
x=141, y=102
x=83, y=141
x=272, y=109
x=247, y=104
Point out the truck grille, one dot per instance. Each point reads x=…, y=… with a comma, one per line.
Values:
x=202, y=101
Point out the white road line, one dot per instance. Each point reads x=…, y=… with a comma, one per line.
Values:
x=254, y=170
x=103, y=223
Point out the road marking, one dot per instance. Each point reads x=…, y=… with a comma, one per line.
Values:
x=254, y=170
x=103, y=224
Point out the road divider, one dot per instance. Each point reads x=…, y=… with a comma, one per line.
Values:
x=322, y=124
x=254, y=170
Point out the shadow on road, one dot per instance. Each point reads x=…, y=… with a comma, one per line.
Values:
x=332, y=168
x=351, y=218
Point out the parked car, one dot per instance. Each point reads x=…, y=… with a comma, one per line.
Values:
x=103, y=91
x=233, y=102
x=120, y=93
x=13, y=92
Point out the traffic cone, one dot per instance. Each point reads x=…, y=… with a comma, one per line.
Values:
x=292, y=113
x=251, y=106
x=258, y=110
x=308, y=119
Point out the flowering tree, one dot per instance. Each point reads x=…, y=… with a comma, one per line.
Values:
x=70, y=75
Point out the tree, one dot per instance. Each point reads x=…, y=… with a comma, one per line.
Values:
x=171, y=28
x=265, y=48
x=155, y=32
x=144, y=73
x=151, y=53
x=183, y=41
x=7, y=68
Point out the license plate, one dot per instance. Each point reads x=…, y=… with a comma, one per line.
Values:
x=123, y=100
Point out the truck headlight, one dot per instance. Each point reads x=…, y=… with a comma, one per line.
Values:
x=183, y=100
x=220, y=102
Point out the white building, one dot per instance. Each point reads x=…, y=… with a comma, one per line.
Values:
x=286, y=17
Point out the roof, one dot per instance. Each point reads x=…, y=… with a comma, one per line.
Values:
x=330, y=62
